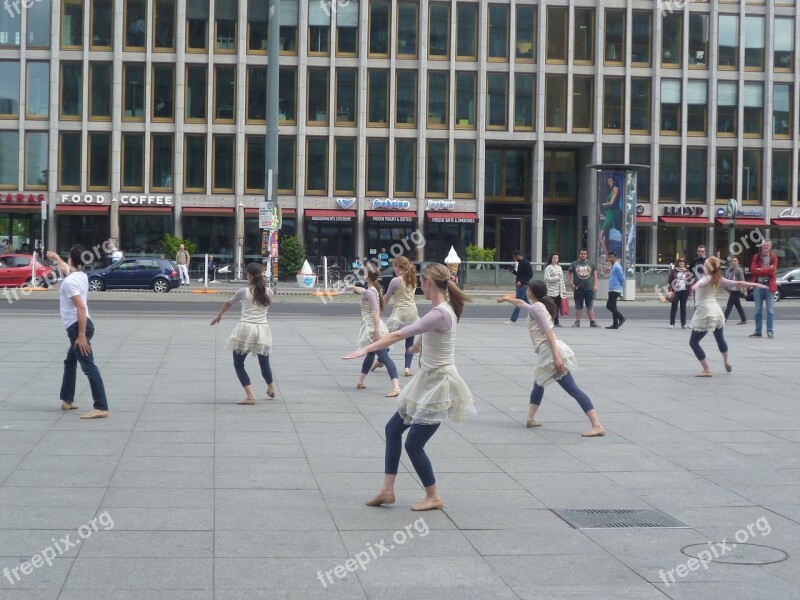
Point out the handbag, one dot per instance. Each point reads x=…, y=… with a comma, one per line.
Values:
x=564, y=306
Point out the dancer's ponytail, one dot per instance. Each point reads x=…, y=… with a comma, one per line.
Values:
x=257, y=285
x=539, y=291
x=440, y=277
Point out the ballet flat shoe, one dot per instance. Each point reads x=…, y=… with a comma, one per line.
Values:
x=381, y=499
x=361, y=386
x=271, y=390
x=532, y=423
x=393, y=393
x=428, y=504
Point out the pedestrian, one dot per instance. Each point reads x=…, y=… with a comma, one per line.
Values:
x=212, y=269
x=616, y=286
x=698, y=262
x=554, y=359
x=763, y=269
x=524, y=273
x=708, y=315
x=252, y=334
x=556, y=288
x=437, y=392
x=678, y=282
x=384, y=258
x=373, y=329
x=73, y=297
x=403, y=288
x=4, y=246
x=116, y=254
x=182, y=259
x=584, y=285
x=735, y=273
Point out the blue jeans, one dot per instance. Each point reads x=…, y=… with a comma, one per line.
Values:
x=759, y=297
x=90, y=369
x=521, y=294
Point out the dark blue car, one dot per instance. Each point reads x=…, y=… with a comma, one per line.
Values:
x=136, y=272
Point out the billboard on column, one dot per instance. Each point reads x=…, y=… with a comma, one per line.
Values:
x=616, y=226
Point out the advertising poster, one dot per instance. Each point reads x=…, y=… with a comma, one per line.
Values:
x=611, y=200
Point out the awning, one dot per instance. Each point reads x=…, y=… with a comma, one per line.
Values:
x=288, y=211
x=82, y=209
x=207, y=211
x=147, y=210
x=785, y=222
x=391, y=216
x=21, y=208
x=685, y=221
x=643, y=220
x=250, y=212
x=330, y=215
x=451, y=217
x=743, y=222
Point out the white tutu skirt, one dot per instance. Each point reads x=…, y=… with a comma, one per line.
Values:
x=251, y=338
x=401, y=317
x=707, y=317
x=545, y=370
x=434, y=396
x=367, y=333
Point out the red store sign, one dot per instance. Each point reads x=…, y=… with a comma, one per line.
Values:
x=20, y=198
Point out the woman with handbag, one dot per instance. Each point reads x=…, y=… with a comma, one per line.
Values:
x=678, y=284
x=556, y=288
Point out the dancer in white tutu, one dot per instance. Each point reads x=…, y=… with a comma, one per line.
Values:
x=402, y=289
x=252, y=334
x=555, y=360
x=435, y=394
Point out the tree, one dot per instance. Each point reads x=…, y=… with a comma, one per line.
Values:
x=291, y=256
x=170, y=245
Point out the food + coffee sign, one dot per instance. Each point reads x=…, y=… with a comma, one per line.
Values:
x=125, y=200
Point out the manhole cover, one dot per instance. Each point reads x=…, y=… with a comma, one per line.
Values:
x=736, y=554
x=608, y=518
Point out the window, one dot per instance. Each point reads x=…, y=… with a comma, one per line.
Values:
x=288, y=26
x=316, y=165
x=378, y=94
x=377, y=166
x=498, y=32
x=319, y=28
x=727, y=101
x=287, y=102
x=161, y=162
x=556, y=34
x=505, y=174
x=555, y=103
x=640, y=105
x=347, y=29
x=436, y=176
x=466, y=91
x=669, y=175
x=728, y=41
x=751, y=175
x=464, y=173
x=71, y=25
x=379, y=20
x=782, y=110
x=135, y=24
x=406, y=98
x=640, y=155
x=526, y=33
x=71, y=90
x=102, y=25
x=641, y=41
x=133, y=77
x=584, y=36
x=344, y=181
x=696, y=175
x=754, y=43
x=39, y=14
x=670, y=106
x=9, y=159
x=99, y=161
x=100, y=91
x=613, y=103
x=38, y=93
x=133, y=160
x=615, y=36
x=256, y=94
x=164, y=34
x=697, y=108
x=197, y=25
x=613, y=153
x=163, y=92
x=582, y=103
x=225, y=14
x=497, y=101
x=36, y=158
x=524, y=101
x=405, y=167
x=258, y=27
x=438, y=98
x=9, y=95
x=196, y=92
x=781, y=176
x=224, y=93
x=346, y=96
x=406, y=31
x=753, y=109
x=255, y=175
x=222, y=168
x=467, y=38
x=784, y=44
x=671, y=29
x=318, y=96
x=69, y=160
x=726, y=174
x=195, y=158
x=698, y=40
x=439, y=31
x=287, y=152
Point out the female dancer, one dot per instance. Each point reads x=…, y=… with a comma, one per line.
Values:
x=252, y=334
x=436, y=393
x=678, y=282
x=555, y=359
x=556, y=289
x=373, y=329
x=402, y=288
x=708, y=315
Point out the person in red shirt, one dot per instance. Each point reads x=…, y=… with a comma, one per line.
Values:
x=763, y=269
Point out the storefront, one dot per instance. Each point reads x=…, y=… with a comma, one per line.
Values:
x=212, y=230
x=741, y=236
x=143, y=222
x=391, y=230
x=252, y=232
x=21, y=220
x=84, y=220
x=680, y=230
x=331, y=233
x=785, y=236
x=645, y=233
x=444, y=229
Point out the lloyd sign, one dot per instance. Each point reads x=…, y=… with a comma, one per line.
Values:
x=684, y=211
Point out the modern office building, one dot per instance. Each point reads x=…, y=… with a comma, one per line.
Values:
x=467, y=121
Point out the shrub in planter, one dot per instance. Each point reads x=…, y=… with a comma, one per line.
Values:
x=291, y=257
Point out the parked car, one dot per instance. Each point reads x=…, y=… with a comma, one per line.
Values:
x=136, y=272
x=788, y=281
x=15, y=270
x=387, y=274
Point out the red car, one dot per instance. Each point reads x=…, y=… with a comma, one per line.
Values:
x=15, y=271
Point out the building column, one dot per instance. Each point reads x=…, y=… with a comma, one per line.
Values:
x=537, y=202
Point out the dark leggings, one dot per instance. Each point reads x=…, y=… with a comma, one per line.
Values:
x=567, y=383
x=244, y=378
x=735, y=300
x=383, y=356
x=557, y=300
x=409, y=357
x=416, y=439
x=694, y=342
x=680, y=298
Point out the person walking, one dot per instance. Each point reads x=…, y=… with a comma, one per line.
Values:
x=616, y=286
x=182, y=259
x=698, y=262
x=212, y=269
x=734, y=273
x=403, y=288
x=436, y=394
x=252, y=334
x=373, y=329
x=708, y=315
x=384, y=258
x=556, y=288
x=554, y=359
x=763, y=269
x=524, y=273
x=584, y=285
x=3, y=246
x=73, y=298
x=678, y=283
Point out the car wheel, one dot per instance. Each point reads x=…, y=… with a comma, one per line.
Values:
x=161, y=285
x=96, y=284
x=778, y=294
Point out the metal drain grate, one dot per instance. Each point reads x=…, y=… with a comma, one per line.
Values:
x=613, y=518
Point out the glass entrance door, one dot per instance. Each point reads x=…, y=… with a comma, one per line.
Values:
x=510, y=237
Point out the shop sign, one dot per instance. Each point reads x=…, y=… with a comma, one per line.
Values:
x=345, y=203
x=684, y=211
x=743, y=212
x=446, y=219
x=392, y=219
x=441, y=205
x=330, y=218
x=386, y=203
x=83, y=199
x=125, y=199
x=789, y=213
x=640, y=210
x=21, y=198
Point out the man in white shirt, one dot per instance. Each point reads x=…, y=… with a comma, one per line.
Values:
x=73, y=305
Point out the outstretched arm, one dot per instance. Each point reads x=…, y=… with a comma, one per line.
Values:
x=380, y=344
x=225, y=308
x=512, y=300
